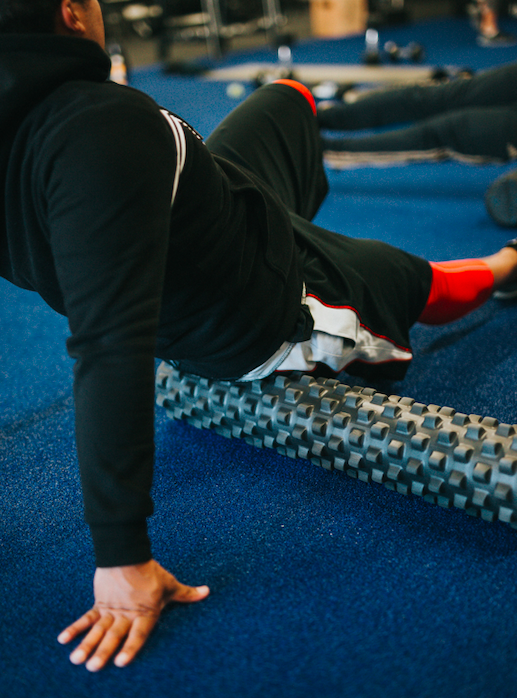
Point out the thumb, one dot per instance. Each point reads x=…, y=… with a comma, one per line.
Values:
x=182, y=593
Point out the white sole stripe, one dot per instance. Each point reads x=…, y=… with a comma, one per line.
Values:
x=341, y=160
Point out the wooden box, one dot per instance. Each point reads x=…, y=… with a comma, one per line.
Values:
x=338, y=17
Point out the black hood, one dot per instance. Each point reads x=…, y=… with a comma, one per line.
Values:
x=32, y=66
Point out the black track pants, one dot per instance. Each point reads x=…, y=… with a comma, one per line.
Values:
x=473, y=117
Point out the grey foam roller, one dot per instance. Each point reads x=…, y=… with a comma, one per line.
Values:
x=444, y=456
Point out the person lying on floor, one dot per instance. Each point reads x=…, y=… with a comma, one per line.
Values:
x=471, y=119
x=155, y=244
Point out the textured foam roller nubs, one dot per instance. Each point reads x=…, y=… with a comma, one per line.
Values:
x=444, y=456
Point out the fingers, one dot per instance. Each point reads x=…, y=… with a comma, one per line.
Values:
x=108, y=631
x=105, y=637
x=143, y=625
x=140, y=631
x=107, y=634
x=80, y=626
x=111, y=640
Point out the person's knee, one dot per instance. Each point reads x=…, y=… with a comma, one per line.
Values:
x=301, y=88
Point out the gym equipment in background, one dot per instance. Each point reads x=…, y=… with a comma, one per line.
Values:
x=444, y=456
x=314, y=73
x=217, y=22
x=373, y=55
x=284, y=67
x=412, y=52
x=342, y=75
x=214, y=22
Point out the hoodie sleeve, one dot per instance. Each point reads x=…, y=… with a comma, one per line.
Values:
x=109, y=190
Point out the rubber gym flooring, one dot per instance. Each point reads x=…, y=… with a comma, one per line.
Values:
x=322, y=586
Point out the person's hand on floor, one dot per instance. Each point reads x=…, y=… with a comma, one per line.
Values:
x=128, y=603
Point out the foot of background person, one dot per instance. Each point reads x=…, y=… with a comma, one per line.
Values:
x=501, y=200
x=499, y=40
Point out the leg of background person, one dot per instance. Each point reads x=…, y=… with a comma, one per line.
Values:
x=488, y=20
x=489, y=32
x=460, y=286
x=495, y=87
x=476, y=135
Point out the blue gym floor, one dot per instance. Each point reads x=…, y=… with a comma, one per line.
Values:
x=322, y=586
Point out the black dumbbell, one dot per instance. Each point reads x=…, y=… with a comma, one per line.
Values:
x=412, y=52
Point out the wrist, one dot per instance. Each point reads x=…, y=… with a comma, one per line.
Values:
x=119, y=545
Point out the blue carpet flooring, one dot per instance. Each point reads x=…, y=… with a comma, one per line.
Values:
x=322, y=586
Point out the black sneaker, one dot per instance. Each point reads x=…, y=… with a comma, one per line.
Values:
x=501, y=200
x=509, y=291
x=499, y=40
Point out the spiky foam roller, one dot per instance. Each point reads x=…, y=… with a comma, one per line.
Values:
x=444, y=456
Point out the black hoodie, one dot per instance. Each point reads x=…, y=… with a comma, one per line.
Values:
x=89, y=170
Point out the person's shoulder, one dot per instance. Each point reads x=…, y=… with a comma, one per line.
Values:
x=81, y=95
x=80, y=111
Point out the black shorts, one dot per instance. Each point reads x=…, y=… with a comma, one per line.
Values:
x=275, y=135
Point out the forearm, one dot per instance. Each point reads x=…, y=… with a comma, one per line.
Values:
x=115, y=428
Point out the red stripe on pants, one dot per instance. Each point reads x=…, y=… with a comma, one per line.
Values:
x=301, y=88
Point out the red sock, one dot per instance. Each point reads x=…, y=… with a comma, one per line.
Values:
x=457, y=288
x=301, y=88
